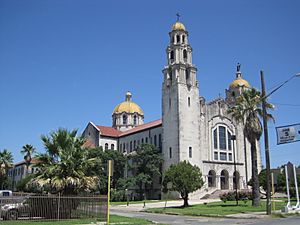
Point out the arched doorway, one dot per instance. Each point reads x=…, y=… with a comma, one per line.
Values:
x=224, y=180
x=236, y=180
x=211, y=178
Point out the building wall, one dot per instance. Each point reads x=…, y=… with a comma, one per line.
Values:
x=129, y=142
x=108, y=142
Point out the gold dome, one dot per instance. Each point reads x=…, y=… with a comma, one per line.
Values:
x=239, y=82
x=128, y=106
x=178, y=26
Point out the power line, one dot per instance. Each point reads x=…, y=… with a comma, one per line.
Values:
x=286, y=104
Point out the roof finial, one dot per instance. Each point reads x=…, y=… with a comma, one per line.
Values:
x=238, y=67
x=128, y=96
x=178, y=16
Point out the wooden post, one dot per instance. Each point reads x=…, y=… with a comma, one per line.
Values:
x=109, y=168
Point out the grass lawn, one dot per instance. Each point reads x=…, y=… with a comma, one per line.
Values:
x=216, y=208
x=113, y=219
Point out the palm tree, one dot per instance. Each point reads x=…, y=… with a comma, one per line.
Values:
x=6, y=160
x=248, y=110
x=27, y=151
x=64, y=167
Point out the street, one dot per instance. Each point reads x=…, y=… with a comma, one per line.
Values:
x=180, y=220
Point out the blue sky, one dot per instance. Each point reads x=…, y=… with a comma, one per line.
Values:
x=64, y=63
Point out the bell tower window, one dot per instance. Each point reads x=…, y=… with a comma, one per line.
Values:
x=172, y=56
x=183, y=39
x=177, y=38
x=185, y=55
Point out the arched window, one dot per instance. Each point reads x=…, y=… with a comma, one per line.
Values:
x=189, y=101
x=177, y=38
x=155, y=141
x=224, y=180
x=106, y=146
x=112, y=147
x=146, y=139
x=170, y=152
x=159, y=142
x=222, y=143
x=185, y=55
x=131, y=146
x=187, y=75
x=211, y=178
x=183, y=39
x=124, y=119
x=190, y=152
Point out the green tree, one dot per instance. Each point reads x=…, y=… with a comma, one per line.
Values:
x=27, y=151
x=145, y=163
x=100, y=169
x=184, y=178
x=65, y=164
x=248, y=110
x=6, y=160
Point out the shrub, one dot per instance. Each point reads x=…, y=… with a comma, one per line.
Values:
x=230, y=196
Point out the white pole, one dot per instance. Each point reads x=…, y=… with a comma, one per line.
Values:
x=296, y=186
x=287, y=187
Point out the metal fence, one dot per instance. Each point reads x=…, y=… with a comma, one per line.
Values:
x=52, y=207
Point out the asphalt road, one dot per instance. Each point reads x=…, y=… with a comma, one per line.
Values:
x=188, y=220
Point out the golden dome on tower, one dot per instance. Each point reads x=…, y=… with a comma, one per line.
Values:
x=239, y=82
x=128, y=106
x=178, y=26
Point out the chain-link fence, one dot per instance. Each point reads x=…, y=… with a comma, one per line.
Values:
x=52, y=207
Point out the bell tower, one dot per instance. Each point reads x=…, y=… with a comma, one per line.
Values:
x=180, y=101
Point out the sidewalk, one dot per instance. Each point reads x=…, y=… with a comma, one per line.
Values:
x=172, y=203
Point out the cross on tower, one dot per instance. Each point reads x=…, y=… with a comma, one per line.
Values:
x=178, y=15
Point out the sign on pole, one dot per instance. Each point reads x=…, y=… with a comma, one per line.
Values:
x=288, y=134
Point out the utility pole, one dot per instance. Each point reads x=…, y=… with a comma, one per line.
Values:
x=266, y=138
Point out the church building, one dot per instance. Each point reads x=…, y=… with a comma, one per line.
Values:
x=190, y=128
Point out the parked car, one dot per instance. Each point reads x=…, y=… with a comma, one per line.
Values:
x=14, y=207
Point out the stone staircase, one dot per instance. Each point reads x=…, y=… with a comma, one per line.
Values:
x=202, y=193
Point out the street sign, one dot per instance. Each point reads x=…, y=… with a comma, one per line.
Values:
x=288, y=134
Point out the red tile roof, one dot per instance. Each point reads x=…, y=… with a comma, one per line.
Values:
x=142, y=127
x=33, y=161
x=108, y=131
x=112, y=132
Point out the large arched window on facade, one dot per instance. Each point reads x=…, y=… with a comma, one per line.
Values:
x=222, y=143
